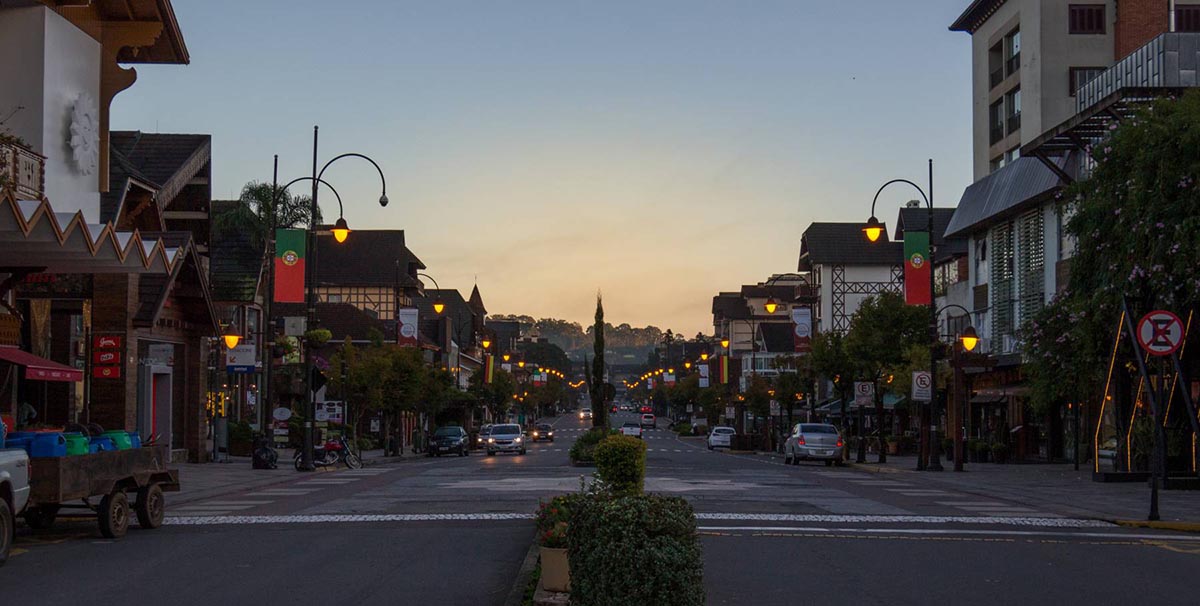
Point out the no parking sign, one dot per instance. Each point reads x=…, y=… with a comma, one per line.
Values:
x=1160, y=332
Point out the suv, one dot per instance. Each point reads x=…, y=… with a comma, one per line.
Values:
x=448, y=440
x=585, y=413
x=543, y=431
x=721, y=437
x=648, y=420
x=631, y=429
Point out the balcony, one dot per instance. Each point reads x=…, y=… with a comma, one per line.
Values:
x=997, y=133
x=1014, y=123
x=996, y=77
x=1168, y=61
x=22, y=171
x=1012, y=65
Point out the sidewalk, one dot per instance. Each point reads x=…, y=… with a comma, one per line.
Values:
x=206, y=480
x=1054, y=487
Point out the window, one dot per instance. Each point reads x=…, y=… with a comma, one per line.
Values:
x=1012, y=52
x=996, y=65
x=1011, y=155
x=333, y=298
x=1083, y=75
x=996, y=122
x=1012, y=102
x=1086, y=19
x=1187, y=17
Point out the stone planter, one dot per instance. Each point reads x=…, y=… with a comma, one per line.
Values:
x=556, y=571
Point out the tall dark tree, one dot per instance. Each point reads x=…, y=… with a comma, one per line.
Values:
x=596, y=386
x=254, y=213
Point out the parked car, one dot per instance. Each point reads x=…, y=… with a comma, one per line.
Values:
x=721, y=437
x=631, y=428
x=506, y=438
x=14, y=494
x=646, y=410
x=543, y=431
x=481, y=439
x=585, y=413
x=813, y=442
x=451, y=439
x=648, y=420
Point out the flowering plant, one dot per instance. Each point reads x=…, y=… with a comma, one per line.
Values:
x=552, y=518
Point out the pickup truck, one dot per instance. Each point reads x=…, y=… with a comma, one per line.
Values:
x=14, y=494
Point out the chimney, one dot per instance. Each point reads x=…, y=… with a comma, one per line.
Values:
x=1138, y=22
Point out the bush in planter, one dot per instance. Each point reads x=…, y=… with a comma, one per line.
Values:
x=584, y=447
x=635, y=550
x=621, y=464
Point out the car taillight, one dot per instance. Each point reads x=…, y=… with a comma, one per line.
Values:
x=839, y=443
x=800, y=440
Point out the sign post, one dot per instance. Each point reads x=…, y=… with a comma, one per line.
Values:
x=922, y=386
x=1160, y=333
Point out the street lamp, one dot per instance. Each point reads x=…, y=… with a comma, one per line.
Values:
x=231, y=337
x=486, y=343
x=506, y=357
x=725, y=343
x=438, y=305
x=967, y=340
x=771, y=305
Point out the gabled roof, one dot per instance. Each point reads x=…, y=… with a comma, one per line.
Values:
x=777, y=337
x=917, y=219
x=476, y=301
x=367, y=258
x=845, y=244
x=1002, y=194
x=155, y=289
x=122, y=176
x=167, y=47
x=976, y=15
x=730, y=306
x=236, y=264
x=167, y=160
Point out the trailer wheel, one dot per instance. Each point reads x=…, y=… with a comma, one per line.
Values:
x=151, y=507
x=6, y=530
x=41, y=517
x=114, y=515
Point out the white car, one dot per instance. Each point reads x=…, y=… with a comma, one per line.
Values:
x=721, y=437
x=14, y=494
x=632, y=429
x=648, y=420
x=585, y=413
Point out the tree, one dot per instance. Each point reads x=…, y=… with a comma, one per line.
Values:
x=882, y=331
x=546, y=355
x=254, y=213
x=830, y=361
x=596, y=385
x=495, y=396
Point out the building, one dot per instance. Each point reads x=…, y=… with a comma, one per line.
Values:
x=845, y=269
x=1048, y=81
x=372, y=270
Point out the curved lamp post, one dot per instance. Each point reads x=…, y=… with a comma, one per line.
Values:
x=873, y=230
x=438, y=305
x=968, y=339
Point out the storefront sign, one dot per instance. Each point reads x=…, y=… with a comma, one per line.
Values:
x=106, y=372
x=100, y=356
x=106, y=342
x=240, y=359
x=161, y=354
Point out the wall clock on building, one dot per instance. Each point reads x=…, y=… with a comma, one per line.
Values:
x=85, y=134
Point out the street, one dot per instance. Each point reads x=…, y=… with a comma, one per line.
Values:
x=455, y=530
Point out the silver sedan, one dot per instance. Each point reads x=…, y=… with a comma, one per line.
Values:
x=813, y=442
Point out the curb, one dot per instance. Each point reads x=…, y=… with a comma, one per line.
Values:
x=1159, y=525
x=516, y=594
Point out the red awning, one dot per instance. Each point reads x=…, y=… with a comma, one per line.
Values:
x=40, y=369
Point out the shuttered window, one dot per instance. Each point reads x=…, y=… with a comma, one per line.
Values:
x=1187, y=17
x=1003, y=280
x=1087, y=19
x=1031, y=264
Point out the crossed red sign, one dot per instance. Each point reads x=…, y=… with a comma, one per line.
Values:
x=1160, y=332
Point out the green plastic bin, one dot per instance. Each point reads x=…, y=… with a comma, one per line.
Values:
x=120, y=439
x=77, y=444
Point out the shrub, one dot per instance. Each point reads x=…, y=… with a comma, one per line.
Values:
x=552, y=520
x=684, y=429
x=583, y=449
x=621, y=464
x=700, y=430
x=635, y=550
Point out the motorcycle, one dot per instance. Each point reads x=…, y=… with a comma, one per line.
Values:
x=331, y=453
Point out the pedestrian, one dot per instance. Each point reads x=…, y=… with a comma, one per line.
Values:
x=26, y=414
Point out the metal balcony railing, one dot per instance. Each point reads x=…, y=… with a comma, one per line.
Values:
x=1012, y=65
x=997, y=76
x=1014, y=123
x=1168, y=61
x=23, y=171
x=997, y=133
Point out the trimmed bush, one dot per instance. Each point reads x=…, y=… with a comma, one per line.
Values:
x=701, y=430
x=635, y=550
x=621, y=464
x=684, y=429
x=583, y=449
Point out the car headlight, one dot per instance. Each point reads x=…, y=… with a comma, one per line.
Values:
x=491, y=440
x=549, y=434
x=535, y=434
x=517, y=439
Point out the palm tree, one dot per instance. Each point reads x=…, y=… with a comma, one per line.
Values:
x=254, y=212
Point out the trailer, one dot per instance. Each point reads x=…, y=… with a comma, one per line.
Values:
x=103, y=483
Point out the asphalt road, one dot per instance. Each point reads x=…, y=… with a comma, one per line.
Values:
x=454, y=530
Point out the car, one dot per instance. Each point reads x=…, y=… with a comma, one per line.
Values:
x=585, y=413
x=450, y=439
x=648, y=420
x=543, y=431
x=633, y=429
x=14, y=493
x=646, y=410
x=506, y=437
x=614, y=409
x=721, y=437
x=481, y=439
x=813, y=442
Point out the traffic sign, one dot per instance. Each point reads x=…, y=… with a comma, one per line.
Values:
x=1160, y=332
x=922, y=386
x=864, y=393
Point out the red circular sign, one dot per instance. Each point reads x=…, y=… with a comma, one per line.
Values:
x=1160, y=333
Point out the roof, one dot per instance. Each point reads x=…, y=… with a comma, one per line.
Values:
x=977, y=13
x=730, y=305
x=367, y=258
x=917, y=219
x=779, y=291
x=1002, y=194
x=155, y=289
x=340, y=319
x=777, y=336
x=166, y=46
x=169, y=161
x=236, y=264
x=845, y=244
x=457, y=311
x=122, y=175
x=476, y=301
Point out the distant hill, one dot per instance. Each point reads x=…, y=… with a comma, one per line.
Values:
x=624, y=343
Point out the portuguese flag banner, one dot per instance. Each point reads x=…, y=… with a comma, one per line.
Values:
x=917, y=268
x=289, y=265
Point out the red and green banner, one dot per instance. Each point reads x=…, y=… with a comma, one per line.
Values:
x=289, y=265
x=489, y=374
x=917, y=268
x=724, y=370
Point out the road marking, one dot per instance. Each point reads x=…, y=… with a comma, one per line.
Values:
x=337, y=518
x=330, y=481
x=908, y=519
x=920, y=493
x=234, y=503
x=965, y=531
x=284, y=492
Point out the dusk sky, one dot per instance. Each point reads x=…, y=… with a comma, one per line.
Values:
x=658, y=151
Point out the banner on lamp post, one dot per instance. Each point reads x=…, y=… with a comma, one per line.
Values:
x=489, y=374
x=406, y=327
x=917, y=268
x=289, y=265
x=802, y=328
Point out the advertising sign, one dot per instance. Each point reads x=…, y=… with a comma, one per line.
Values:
x=406, y=327
x=802, y=328
x=240, y=359
x=101, y=356
x=106, y=342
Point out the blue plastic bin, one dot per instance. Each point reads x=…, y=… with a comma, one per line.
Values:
x=22, y=443
x=101, y=444
x=135, y=440
x=48, y=445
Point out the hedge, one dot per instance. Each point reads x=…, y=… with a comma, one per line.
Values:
x=583, y=449
x=621, y=464
x=635, y=550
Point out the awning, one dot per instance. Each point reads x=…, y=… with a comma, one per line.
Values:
x=40, y=369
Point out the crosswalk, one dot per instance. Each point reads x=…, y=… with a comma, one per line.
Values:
x=268, y=496
x=971, y=504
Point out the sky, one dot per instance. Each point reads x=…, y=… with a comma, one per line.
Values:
x=657, y=151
